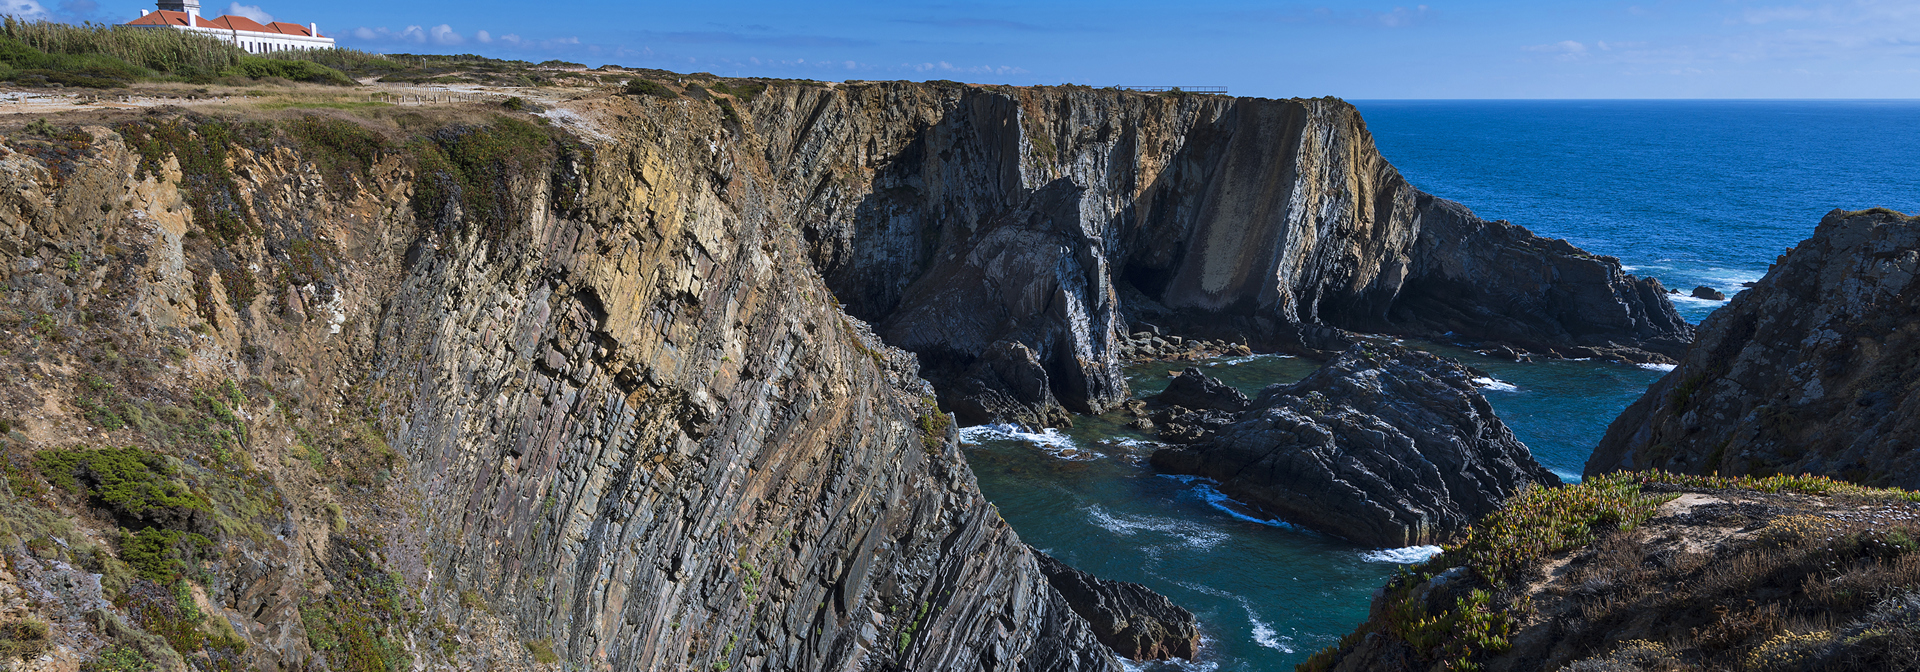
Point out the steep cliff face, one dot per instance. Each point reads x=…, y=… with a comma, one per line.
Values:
x=960, y=220
x=1813, y=370
x=1383, y=446
x=495, y=398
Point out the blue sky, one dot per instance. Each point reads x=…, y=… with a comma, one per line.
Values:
x=1361, y=50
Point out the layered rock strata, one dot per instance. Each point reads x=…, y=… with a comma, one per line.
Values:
x=1383, y=446
x=964, y=220
x=1813, y=370
x=1135, y=621
x=497, y=397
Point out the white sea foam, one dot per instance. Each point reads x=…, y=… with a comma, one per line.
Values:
x=1204, y=489
x=1402, y=556
x=1236, y=361
x=1496, y=385
x=1656, y=367
x=1691, y=300
x=1181, y=664
x=1189, y=533
x=1264, y=635
x=1566, y=476
x=1049, y=439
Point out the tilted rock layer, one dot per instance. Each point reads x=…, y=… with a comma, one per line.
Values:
x=497, y=411
x=1384, y=446
x=1813, y=370
x=1137, y=622
x=963, y=220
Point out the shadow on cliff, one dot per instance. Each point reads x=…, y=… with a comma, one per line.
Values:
x=1013, y=240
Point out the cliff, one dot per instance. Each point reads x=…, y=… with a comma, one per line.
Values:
x=448, y=388
x=468, y=392
x=1810, y=371
x=1656, y=572
x=1387, y=447
x=1012, y=237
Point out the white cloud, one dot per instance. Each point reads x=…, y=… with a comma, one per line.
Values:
x=483, y=37
x=250, y=11
x=443, y=35
x=25, y=9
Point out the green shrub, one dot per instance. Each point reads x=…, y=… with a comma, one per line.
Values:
x=481, y=169
x=163, y=556
x=648, y=87
x=117, y=659
x=136, y=485
x=340, y=149
x=542, y=651
x=1543, y=521
x=25, y=639
x=256, y=67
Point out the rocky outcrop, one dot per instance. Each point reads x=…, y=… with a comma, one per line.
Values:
x=958, y=219
x=1132, y=619
x=1383, y=446
x=1196, y=390
x=1656, y=573
x=1810, y=371
x=491, y=397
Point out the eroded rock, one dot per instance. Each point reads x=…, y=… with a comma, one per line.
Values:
x=1809, y=371
x=1384, y=446
x=1132, y=619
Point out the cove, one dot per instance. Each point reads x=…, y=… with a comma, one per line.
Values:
x=1267, y=594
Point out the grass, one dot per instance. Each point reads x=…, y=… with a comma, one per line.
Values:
x=40, y=53
x=358, y=624
x=542, y=651
x=1816, y=588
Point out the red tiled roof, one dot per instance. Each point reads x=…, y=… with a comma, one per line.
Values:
x=285, y=28
x=231, y=22
x=161, y=18
x=228, y=22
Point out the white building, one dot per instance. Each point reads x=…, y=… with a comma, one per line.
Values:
x=241, y=31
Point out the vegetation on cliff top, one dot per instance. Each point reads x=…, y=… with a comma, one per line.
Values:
x=1774, y=573
x=41, y=53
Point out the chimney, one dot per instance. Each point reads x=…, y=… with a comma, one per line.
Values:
x=143, y=12
x=314, y=28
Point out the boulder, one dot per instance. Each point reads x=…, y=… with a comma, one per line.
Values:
x=1128, y=617
x=1199, y=391
x=1708, y=293
x=1384, y=446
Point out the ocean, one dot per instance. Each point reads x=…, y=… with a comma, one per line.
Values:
x=1691, y=192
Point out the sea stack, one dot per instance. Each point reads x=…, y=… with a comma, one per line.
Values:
x=1384, y=446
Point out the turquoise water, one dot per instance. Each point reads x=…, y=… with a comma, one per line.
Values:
x=1690, y=192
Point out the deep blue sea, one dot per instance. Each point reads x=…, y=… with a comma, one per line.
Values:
x=1691, y=192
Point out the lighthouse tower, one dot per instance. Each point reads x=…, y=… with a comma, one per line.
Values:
x=188, y=7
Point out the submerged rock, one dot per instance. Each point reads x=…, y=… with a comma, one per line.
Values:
x=1810, y=371
x=1384, y=446
x=1132, y=619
